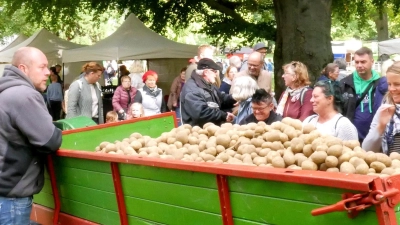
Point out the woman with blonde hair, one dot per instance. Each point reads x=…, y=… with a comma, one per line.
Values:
x=242, y=89
x=84, y=95
x=136, y=74
x=228, y=77
x=384, y=132
x=295, y=100
x=135, y=111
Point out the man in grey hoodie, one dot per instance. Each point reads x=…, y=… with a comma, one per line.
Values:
x=27, y=134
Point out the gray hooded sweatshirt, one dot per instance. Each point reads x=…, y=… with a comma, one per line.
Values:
x=27, y=134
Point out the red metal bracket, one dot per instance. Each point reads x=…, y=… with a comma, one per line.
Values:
x=119, y=194
x=54, y=188
x=224, y=199
x=353, y=203
x=392, y=183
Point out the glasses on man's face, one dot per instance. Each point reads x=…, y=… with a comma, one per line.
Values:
x=252, y=65
x=259, y=109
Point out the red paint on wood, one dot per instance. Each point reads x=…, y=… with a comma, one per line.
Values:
x=119, y=194
x=224, y=200
x=106, y=125
x=44, y=216
x=54, y=188
x=318, y=178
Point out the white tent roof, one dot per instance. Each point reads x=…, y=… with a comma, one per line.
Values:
x=51, y=45
x=389, y=47
x=16, y=41
x=132, y=40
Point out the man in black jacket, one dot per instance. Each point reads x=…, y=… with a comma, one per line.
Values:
x=27, y=134
x=201, y=101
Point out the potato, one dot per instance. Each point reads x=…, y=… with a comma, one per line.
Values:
x=271, y=155
x=383, y=158
x=331, y=161
x=344, y=158
x=110, y=148
x=287, y=144
x=335, y=150
x=211, y=151
x=221, y=131
x=322, y=148
x=234, y=161
x=276, y=145
x=308, y=128
x=211, y=130
x=351, y=144
x=259, y=130
x=260, y=160
x=395, y=163
x=317, y=142
x=370, y=157
x=246, y=149
x=307, y=150
x=272, y=136
x=300, y=158
x=309, y=165
x=388, y=171
x=278, y=162
x=283, y=137
x=294, y=167
x=224, y=140
x=144, y=153
x=357, y=161
x=297, y=145
x=377, y=166
x=154, y=155
x=362, y=169
x=323, y=167
x=288, y=157
x=257, y=142
x=205, y=156
x=394, y=155
x=104, y=144
x=333, y=170
x=136, y=145
x=330, y=141
x=371, y=170
x=238, y=156
x=223, y=156
x=230, y=152
x=290, y=132
x=318, y=157
x=263, y=152
x=347, y=167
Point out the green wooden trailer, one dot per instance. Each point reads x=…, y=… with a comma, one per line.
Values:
x=84, y=187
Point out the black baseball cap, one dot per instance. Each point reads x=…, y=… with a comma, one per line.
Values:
x=207, y=64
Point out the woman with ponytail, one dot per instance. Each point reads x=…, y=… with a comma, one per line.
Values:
x=327, y=102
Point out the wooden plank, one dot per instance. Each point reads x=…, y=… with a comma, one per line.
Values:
x=238, y=221
x=88, y=140
x=89, y=212
x=197, y=198
x=139, y=221
x=44, y=199
x=89, y=196
x=287, y=212
x=293, y=191
x=197, y=179
x=169, y=214
x=84, y=164
x=84, y=178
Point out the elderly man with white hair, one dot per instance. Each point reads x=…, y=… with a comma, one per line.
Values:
x=201, y=101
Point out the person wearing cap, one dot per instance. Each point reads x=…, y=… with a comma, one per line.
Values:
x=204, y=51
x=152, y=97
x=200, y=100
x=262, y=49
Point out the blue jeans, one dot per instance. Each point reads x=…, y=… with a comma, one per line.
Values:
x=178, y=115
x=15, y=211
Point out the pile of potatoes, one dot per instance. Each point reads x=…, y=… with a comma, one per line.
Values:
x=285, y=144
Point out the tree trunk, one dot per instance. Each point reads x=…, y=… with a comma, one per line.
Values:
x=381, y=24
x=303, y=34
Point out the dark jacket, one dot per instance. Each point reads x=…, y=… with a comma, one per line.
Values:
x=26, y=135
x=273, y=117
x=176, y=89
x=202, y=102
x=363, y=121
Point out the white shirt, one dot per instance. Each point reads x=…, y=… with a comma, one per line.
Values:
x=95, y=102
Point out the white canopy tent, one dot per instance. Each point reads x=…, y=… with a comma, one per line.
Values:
x=389, y=47
x=132, y=40
x=15, y=42
x=51, y=45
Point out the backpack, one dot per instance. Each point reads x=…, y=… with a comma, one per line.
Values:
x=302, y=94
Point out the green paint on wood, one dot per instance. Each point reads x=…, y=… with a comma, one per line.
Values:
x=88, y=140
x=89, y=196
x=169, y=214
x=44, y=199
x=202, y=199
x=84, y=178
x=237, y=221
x=293, y=191
x=288, y=212
x=169, y=175
x=89, y=212
x=84, y=164
x=139, y=221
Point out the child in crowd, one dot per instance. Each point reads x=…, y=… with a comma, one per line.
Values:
x=111, y=117
x=135, y=111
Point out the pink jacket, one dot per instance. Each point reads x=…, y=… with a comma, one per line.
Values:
x=120, y=98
